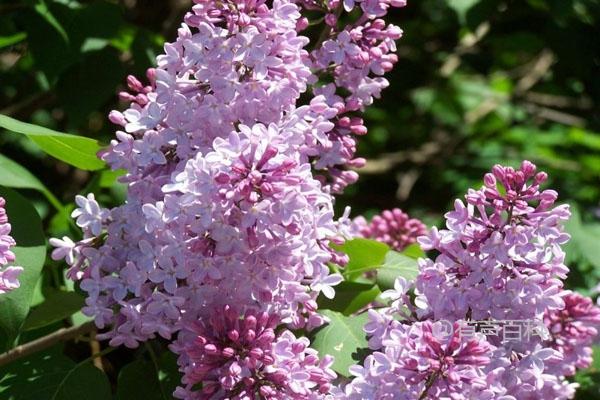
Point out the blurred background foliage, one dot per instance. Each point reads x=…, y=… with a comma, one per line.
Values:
x=478, y=82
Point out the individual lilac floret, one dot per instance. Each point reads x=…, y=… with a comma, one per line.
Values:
x=9, y=276
x=393, y=227
x=500, y=256
x=241, y=357
x=573, y=330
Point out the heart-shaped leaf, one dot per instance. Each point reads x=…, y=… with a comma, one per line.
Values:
x=350, y=297
x=342, y=338
x=364, y=254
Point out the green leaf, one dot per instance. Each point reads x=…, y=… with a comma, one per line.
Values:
x=342, y=338
x=588, y=241
x=78, y=151
x=169, y=374
x=413, y=251
x=109, y=178
x=584, y=240
x=6, y=41
x=52, y=376
x=365, y=255
x=573, y=227
x=595, y=367
x=83, y=382
x=350, y=297
x=462, y=7
x=57, y=306
x=396, y=265
x=139, y=381
x=42, y=9
x=47, y=46
x=13, y=175
x=30, y=254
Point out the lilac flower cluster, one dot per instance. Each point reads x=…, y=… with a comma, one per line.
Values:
x=500, y=256
x=573, y=330
x=392, y=227
x=230, y=178
x=239, y=357
x=355, y=57
x=499, y=259
x=9, y=276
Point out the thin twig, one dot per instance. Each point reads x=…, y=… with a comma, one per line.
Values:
x=554, y=115
x=95, y=348
x=466, y=45
x=62, y=335
x=26, y=106
x=406, y=182
x=419, y=156
x=539, y=68
x=553, y=100
x=535, y=71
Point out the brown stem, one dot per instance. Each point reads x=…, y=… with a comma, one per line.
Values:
x=95, y=348
x=62, y=335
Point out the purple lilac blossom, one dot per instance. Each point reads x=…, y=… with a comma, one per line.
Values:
x=501, y=255
x=392, y=227
x=573, y=330
x=9, y=276
x=230, y=178
x=242, y=356
x=503, y=240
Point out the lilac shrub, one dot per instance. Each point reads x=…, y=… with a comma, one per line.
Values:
x=9, y=276
x=499, y=260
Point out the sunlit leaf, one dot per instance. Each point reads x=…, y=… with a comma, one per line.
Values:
x=6, y=41
x=396, y=265
x=15, y=176
x=364, y=255
x=342, y=338
x=78, y=151
x=42, y=8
